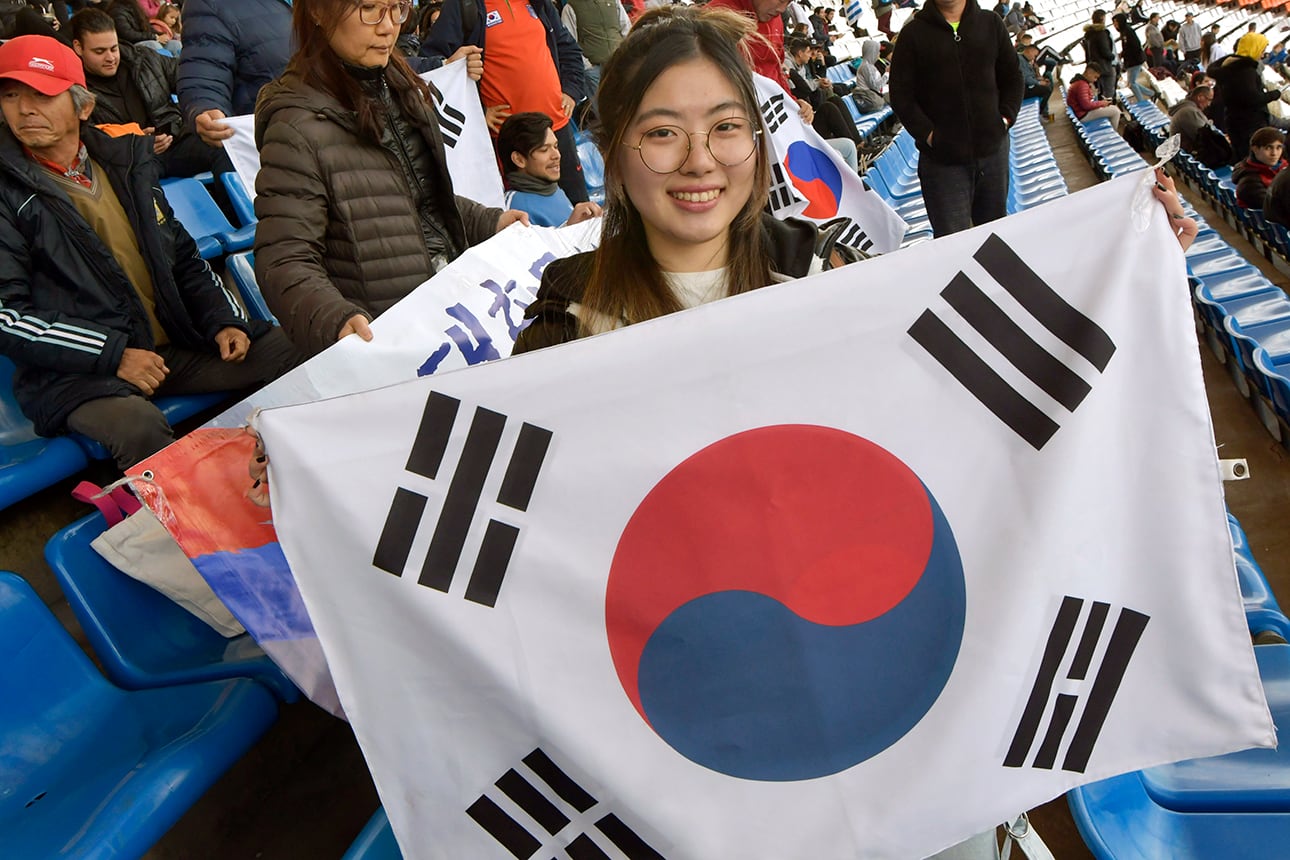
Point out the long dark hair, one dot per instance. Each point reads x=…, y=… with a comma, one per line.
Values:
x=626, y=284
x=319, y=67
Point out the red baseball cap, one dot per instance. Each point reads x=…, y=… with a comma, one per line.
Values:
x=42, y=63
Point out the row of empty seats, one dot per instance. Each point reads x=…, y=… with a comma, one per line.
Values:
x=1231, y=806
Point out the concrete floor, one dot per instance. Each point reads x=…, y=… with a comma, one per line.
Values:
x=304, y=790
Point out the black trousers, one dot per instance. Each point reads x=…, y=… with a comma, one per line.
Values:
x=132, y=428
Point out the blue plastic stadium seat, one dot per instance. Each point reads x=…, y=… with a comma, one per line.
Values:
x=89, y=770
x=1275, y=382
x=204, y=220
x=143, y=638
x=1273, y=336
x=376, y=841
x=240, y=197
x=29, y=463
x=1232, y=806
x=241, y=267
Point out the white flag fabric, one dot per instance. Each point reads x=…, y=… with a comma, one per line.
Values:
x=466, y=142
x=467, y=313
x=810, y=180
x=853, y=566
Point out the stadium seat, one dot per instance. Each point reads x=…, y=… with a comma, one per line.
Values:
x=142, y=638
x=203, y=219
x=89, y=770
x=29, y=463
x=239, y=197
x=1276, y=381
x=376, y=841
x=1273, y=336
x=241, y=267
x=1232, y=806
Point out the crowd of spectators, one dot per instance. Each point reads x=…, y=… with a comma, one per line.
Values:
x=354, y=201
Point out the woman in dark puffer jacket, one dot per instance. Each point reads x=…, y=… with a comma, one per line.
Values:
x=355, y=203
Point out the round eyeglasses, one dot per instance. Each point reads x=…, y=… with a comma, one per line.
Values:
x=730, y=142
x=372, y=13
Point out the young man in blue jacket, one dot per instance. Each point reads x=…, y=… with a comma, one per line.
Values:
x=530, y=63
x=104, y=300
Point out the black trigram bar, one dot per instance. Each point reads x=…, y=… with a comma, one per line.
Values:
x=561, y=783
x=451, y=121
x=1025, y=419
x=1106, y=682
x=1124, y=639
x=780, y=194
x=463, y=497
x=432, y=436
x=1040, y=366
x=583, y=848
x=399, y=531
x=626, y=839
x=1074, y=329
x=772, y=110
x=1045, y=370
x=536, y=803
x=506, y=830
x=526, y=462
x=855, y=237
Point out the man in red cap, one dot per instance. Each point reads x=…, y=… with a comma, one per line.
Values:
x=104, y=300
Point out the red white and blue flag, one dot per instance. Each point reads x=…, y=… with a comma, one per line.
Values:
x=810, y=180
x=853, y=566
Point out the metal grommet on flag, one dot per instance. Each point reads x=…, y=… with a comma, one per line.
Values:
x=1026, y=838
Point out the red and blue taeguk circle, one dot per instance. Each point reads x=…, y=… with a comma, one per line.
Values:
x=815, y=175
x=785, y=603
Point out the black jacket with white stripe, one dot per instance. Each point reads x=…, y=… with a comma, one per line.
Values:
x=67, y=309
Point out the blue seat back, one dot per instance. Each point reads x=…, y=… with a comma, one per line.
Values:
x=241, y=267
x=376, y=841
x=142, y=637
x=88, y=770
x=240, y=197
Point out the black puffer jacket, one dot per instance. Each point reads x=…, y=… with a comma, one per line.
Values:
x=797, y=248
x=67, y=309
x=154, y=75
x=1245, y=101
x=1099, y=49
x=339, y=231
x=131, y=25
x=965, y=86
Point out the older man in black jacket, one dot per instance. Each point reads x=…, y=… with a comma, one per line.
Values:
x=104, y=300
x=956, y=86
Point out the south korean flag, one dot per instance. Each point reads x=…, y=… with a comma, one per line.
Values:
x=855, y=566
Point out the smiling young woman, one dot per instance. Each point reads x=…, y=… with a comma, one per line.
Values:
x=687, y=174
